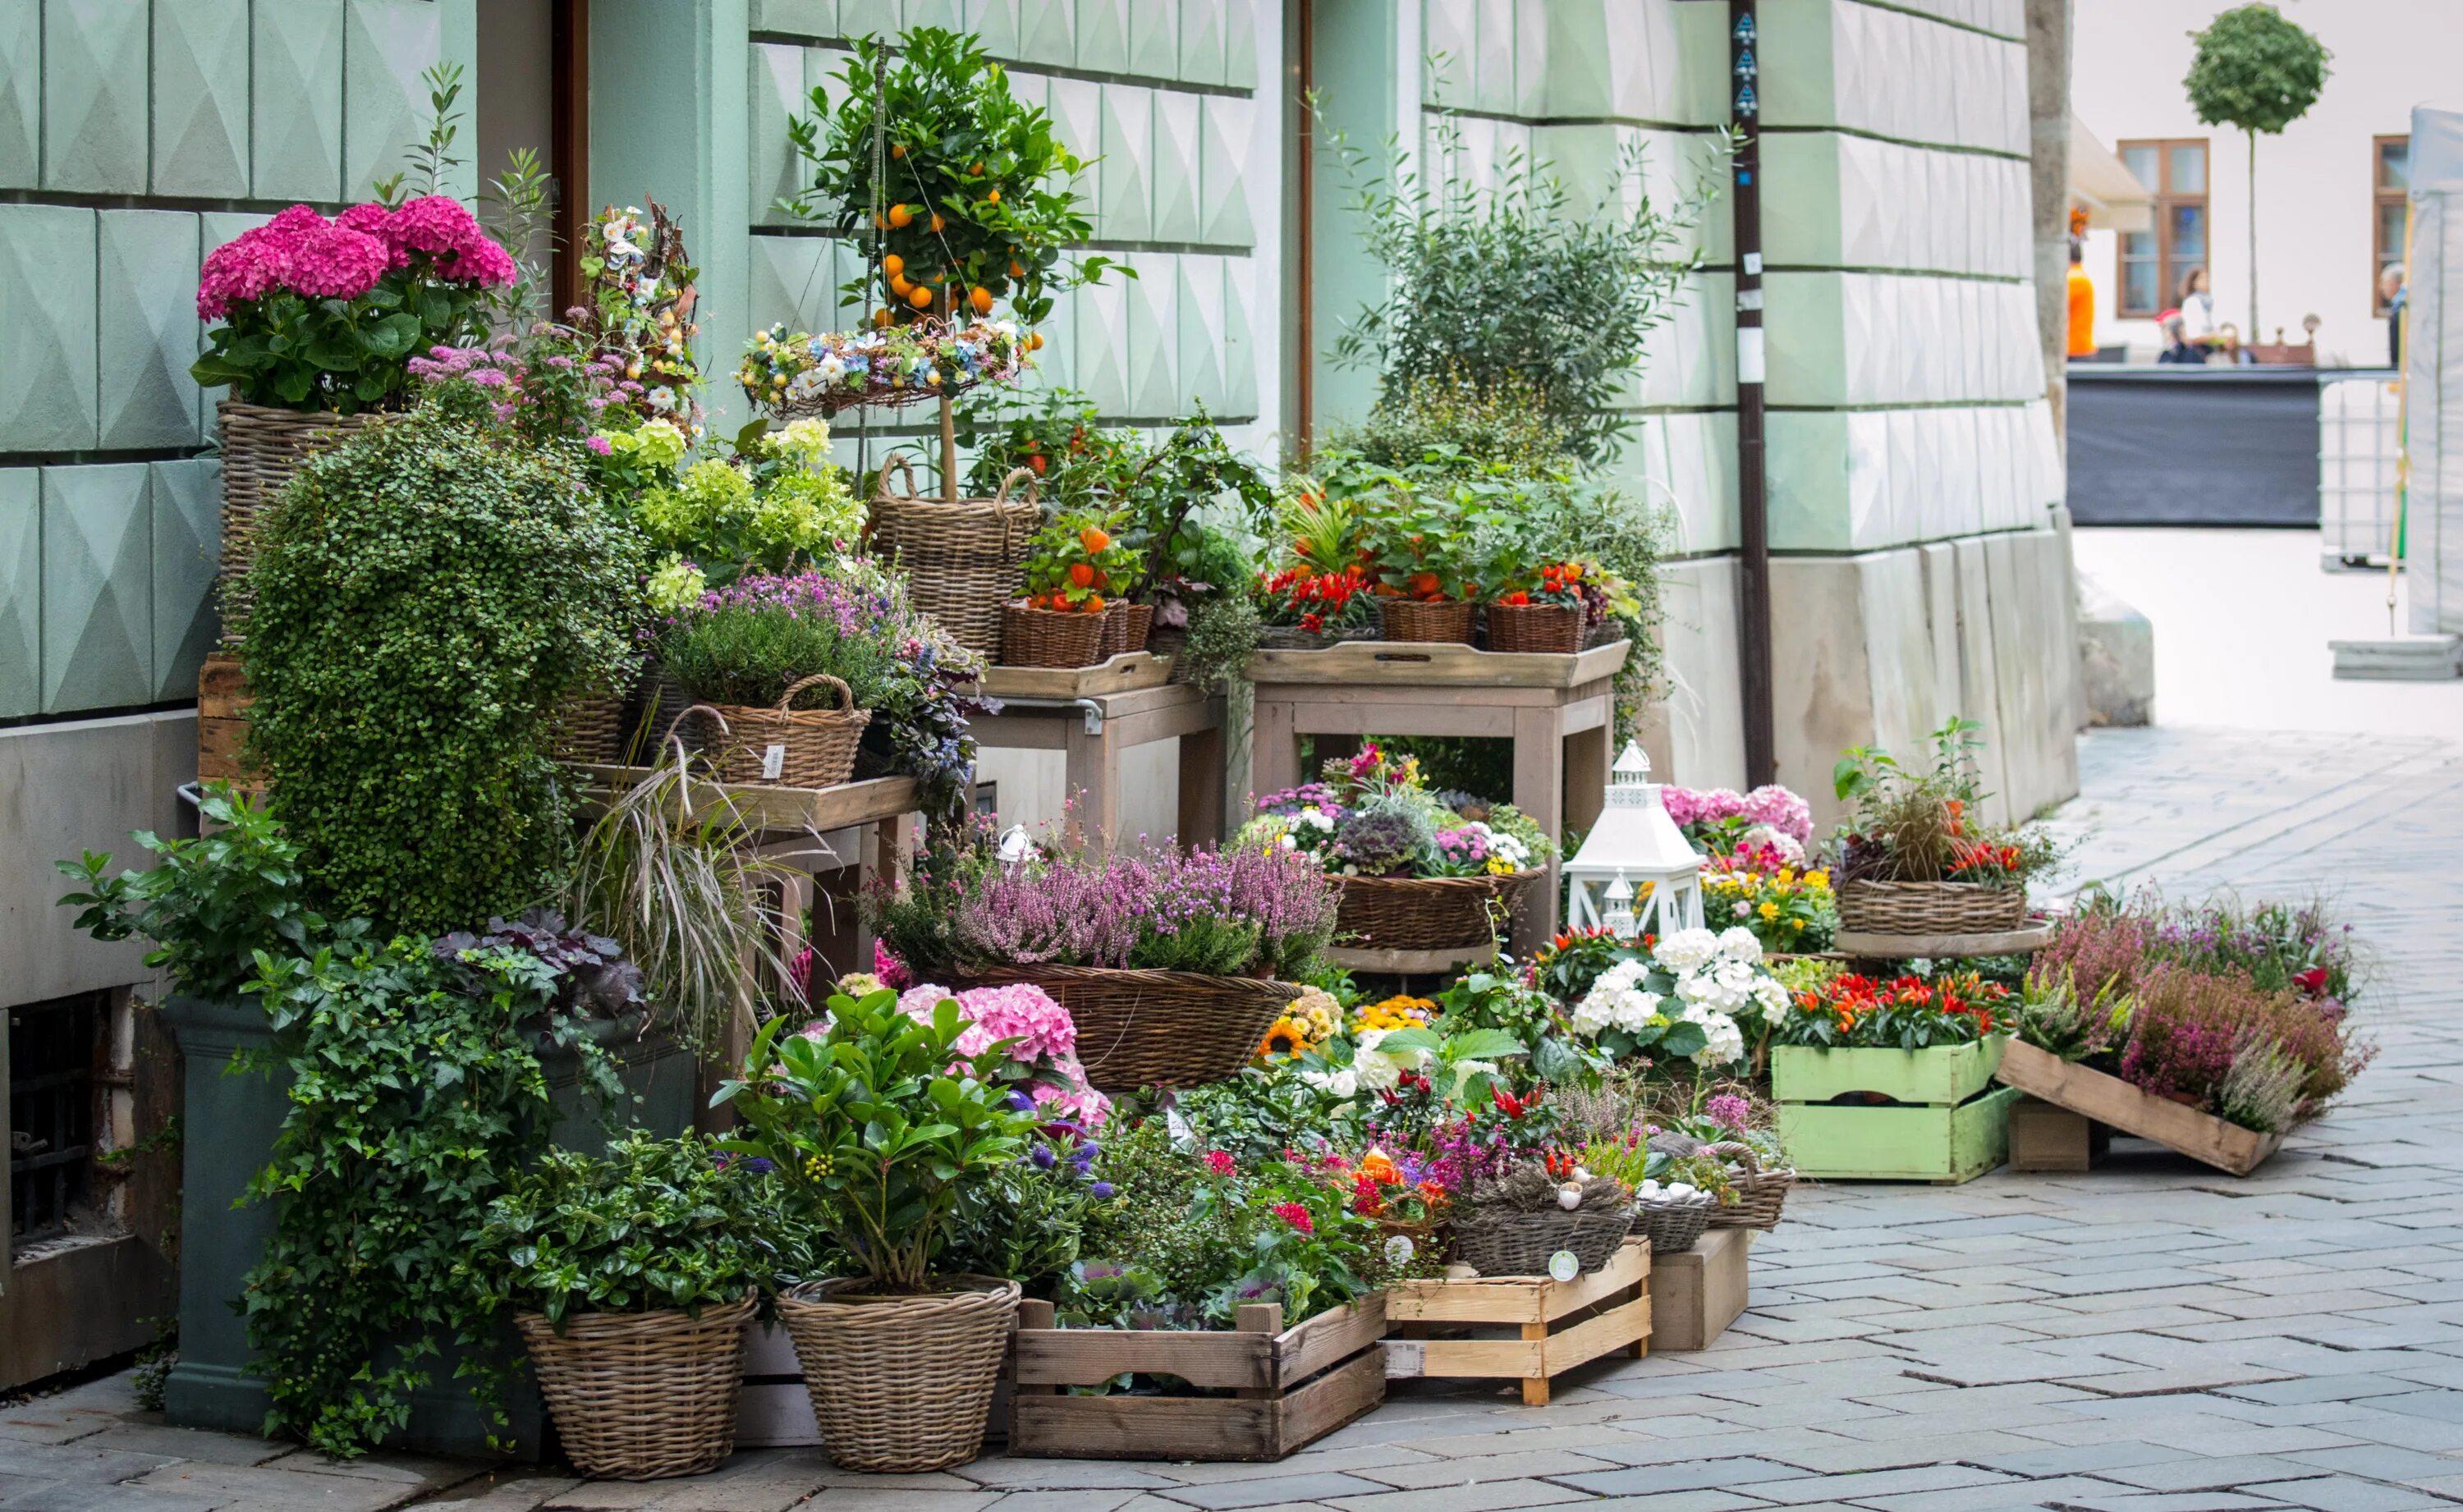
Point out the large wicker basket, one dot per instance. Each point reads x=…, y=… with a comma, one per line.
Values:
x=787, y=746
x=1050, y=637
x=642, y=1396
x=262, y=447
x=1509, y=1241
x=1929, y=908
x=1125, y=627
x=1672, y=1226
x=589, y=726
x=1155, y=1028
x=1761, y=1193
x=1430, y=913
x=1445, y=620
x=901, y=1385
x=1554, y=628
x=963, y=560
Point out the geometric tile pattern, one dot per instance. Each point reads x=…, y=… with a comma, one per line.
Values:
x=200, y=99
x=775, y=93
x=147, y=310
x=98, y=588
x=187, y=503
x=47, y=318
x=1175, y=164
x=1128, y=151
x=1227, y=145
x=21, y=93
x=799, y=17
x=1152, y=338
x=1103, y=35
x=93, y=95
x=296, y=99
x=386, y=44
x=21, y=590
x=1154, y=36
x=1201, y=40
x=1047, y=32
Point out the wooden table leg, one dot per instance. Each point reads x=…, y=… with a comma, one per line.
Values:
x=1091, y=785
x=1275, y=748
x=1586, y=777
x=1201, y=785
x=1535, y=1388
x=1539, y=792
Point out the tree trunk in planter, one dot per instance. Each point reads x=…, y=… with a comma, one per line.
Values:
x=233, y=1119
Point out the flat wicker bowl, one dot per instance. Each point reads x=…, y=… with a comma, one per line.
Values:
x=1154, y=1029
x=1125, y=627
x=642, y=1396
x=1930, y=908
x=901, y=1385
x=1502, y=1241
x=1050, y=637
x=1672, y=1228
x=1429, y=913
x=963, y=559
x=1554, y=628
x=1410, y=619
x=262, y=447
x=786, y=747
x=1761, y=1193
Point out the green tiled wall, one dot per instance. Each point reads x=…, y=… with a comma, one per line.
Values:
x=21, y=598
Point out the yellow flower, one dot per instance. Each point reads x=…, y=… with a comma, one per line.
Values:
x=1819, y=879
x=1786, y=874
x=1769, y=911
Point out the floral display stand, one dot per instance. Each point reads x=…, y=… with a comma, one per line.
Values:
x=1697, y=1293
x=1094, y=731
x=2201, y=1137
x=1528, y=1328
x=1906, y=1116
x=1290, y=1387
x=1557, y=709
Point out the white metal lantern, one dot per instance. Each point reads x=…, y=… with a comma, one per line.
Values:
x=1634, y=843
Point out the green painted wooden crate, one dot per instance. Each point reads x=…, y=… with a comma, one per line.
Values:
x=1942, y=1125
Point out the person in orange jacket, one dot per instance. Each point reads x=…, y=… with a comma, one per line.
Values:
x=2081, y=303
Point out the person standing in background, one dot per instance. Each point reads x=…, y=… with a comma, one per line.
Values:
x=2392, y=289
x=2198, y=310
x=2081, y=303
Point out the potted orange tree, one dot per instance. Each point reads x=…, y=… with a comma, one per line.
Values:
x=1076, y=569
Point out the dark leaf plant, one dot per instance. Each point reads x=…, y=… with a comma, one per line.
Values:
x=881, y=1126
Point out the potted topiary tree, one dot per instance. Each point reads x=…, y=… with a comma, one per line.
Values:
x=2262, y=73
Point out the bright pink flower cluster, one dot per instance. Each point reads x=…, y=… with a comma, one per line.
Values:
x=301, y=252
x=1046, y=1036
x=1771, y=805
x=1295, y=1215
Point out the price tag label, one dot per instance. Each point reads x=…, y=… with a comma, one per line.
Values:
x=773, y=761
x=1399, y=1250
x=1406, y=1359
x=1564, y=1265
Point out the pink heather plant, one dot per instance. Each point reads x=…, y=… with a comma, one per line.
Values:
x=1152, y=908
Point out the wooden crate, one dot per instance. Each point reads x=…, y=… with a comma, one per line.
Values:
x=1124, y=673
x=1526, y=1327
x=1695, y=1294
x=2201, y=1137
x=1290, y=1387
x=2045, y=1136
x=1945, y=1073
x=222, y=722
x=1940, y=1123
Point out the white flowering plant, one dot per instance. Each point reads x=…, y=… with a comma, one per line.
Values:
x=1692, y=996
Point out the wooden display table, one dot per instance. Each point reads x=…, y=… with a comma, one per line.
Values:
x=1856, y=944
x=1529, y=1327
x=1559, y=711
x=1695, y=1294
x=1093, y=730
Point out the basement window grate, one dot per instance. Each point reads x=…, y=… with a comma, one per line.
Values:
x=52, y=1050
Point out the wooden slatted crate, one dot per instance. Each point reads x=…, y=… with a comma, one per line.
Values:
x=1528, y=1328
x=1935, y=1120
x=2109, y=1100
x=1696, y=1294
x=1290, y=1387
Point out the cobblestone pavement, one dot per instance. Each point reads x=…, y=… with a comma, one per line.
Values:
x=2150, y=1335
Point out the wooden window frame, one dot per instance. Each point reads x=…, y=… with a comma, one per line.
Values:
x=2380, y=196
x=2166, y=202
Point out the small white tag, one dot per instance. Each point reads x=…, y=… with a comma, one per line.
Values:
x=1564, y=1265
x=1406, y=1359
x=1749, y=354
x=1754, y=263
x=773, y=761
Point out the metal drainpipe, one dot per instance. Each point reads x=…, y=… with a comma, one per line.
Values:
x=1753, y=596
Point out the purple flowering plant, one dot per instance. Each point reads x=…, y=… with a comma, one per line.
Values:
x=1149, y=907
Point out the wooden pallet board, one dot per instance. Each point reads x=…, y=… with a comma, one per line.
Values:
x=223, y=702
x=1527, y=1328
x=1898, y=1142
x=2201, y=1137
x=1697, y=1292
x=775, y=809
x=1436, y=664
x=1124, y=673
x=1859, y=944
x=1409, y=962
x=1944, y=1074
x=1290, y=1387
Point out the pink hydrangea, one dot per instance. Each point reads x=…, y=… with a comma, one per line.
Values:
x=886, y=965
x=1781, y=809
x=335, y=263
x=439, y=226
x=250, y=267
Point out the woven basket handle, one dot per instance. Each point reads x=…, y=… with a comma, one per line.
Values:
x=1001, y=495
x=787, y=699
x=1742, y=1152
x=689, y=712
x=897, y=460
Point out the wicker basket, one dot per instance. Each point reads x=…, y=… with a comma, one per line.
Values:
x=963, y=560
x=1761, y=1193
x=1050, y=637
x=642, y=1396
x=589, y=726
x=901, y=1385
x=1446, y=619
x=1125, y=627
x=789, y=747
x=1430, y=913
x=1507, y=1241
x=1555, y=629
x=1154, y=1029
x=262, y=447
x=1929, y=908
x=1671, y=1226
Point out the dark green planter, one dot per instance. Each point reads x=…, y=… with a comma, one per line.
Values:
x=232, y=1119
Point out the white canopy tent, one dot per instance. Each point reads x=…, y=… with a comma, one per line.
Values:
x=2100, y=182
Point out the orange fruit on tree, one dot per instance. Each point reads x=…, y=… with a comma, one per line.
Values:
x=1016, y=269
x=977, y=170
x=899, y=151
x=893, y=264
x=920, y=297
x=1082, y=574
x=1093, y=539
x=1034, y=341
x=881, y=316
x=901, y=217
x=899, y=286
x=981, y=298
x=1038, y=463
x=993, y=197
x=937, y=224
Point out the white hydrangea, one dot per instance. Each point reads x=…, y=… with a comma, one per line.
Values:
x=1617, y=1000
x=1736, y=943
x=1686, y=949
x=1726, y=1041
x=1342, y=1083
x=1778, y=842
x=1771, y=997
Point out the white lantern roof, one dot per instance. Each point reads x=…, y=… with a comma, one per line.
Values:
x=1634, y=834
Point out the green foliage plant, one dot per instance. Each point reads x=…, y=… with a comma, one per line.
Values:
x=881, y=1126
x=2259, y=72
x=426, y=594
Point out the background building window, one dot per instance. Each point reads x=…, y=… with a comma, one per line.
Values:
x=2390, y=180
x=2154, y=262
x=52, y=1051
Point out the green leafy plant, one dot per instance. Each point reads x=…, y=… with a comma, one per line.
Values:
x=1079, y=564
x=426, y=593
x=2057, y=1016
x=2259, y=71
x=882, y=1125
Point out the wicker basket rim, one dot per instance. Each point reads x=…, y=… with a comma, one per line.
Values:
x=1439, y=884
x=1878, y=885
x=832, y=1292
x=657, y=1320
x=1000, y=501
x=1130, y=977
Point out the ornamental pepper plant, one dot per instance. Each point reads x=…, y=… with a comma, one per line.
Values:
x=1078, y=565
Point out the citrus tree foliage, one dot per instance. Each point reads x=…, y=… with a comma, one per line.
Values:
x=426, y=593
x=1515, y=282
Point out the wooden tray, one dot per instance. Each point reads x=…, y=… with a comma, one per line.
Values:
x=1529, y=1327
x=1124, y=673
x=2201, y=1137
x=1409, y=962
x=777, y=811
x=1853, y=944
x=1291, y=1385
x=1436, y=665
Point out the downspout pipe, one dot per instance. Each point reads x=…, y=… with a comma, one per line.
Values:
x=1753, y=507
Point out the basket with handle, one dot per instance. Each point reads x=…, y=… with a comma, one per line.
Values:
x=1125, y=627
x=262, y=447
x=1929, y=908
x=901, y=1384
x=1673, y=1225
x=1050, y=637
x=1760, y=1193
x=1553, y=628
x=1153, y=1028
x=965, y=559
x=1506, y=1241
x=787, y=746
x=1444, y=619
x=642, y=1396
x=1430, y=913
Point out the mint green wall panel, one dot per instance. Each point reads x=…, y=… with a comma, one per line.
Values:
x=1154, y=37
x=1056, y=366
x=93, y=95
x=1177, y=184
x=1240, y=315
x=995, y=22
x=1099, y=366
x=296, y=99
x=1224, y=125
x=803, y=18
x=1047, y=32
x=1103, y=35
x=1450, y=41
x=47, y=309
x=146, y=327
x=1201, y=40
x=21, y=92
x=187, y=522
x=773, y=92
x=1198, y=308
x=1127, y=194
x=887, y=15
x=1154, y=337
x=201, y=99
x=1240, y=43
x=98, y=588
x=386, y=45
x=1077, y=109
x=21, y=592
x=792, y=284
x=214, y=228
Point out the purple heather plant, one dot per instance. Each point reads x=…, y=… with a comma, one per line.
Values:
x=1152, y=908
